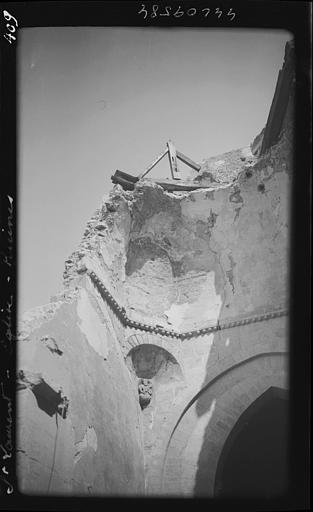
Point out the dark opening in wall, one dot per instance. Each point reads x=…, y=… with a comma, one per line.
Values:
x=149, y=361
x=48, y=400
x=254, y=460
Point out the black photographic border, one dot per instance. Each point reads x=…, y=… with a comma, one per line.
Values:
x=294, y=16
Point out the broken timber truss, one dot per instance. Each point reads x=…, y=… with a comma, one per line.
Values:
x=128, y=181
x=173, y=155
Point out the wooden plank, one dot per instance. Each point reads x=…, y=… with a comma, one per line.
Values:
x=157, y=160
x=188, y=161
x=173, y=160
x=126, y=176
x=126, y=184
x=172, y=185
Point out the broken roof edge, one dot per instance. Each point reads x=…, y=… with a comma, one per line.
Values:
x=283, y=91
x=268, y=137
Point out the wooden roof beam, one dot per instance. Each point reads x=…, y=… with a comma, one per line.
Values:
x=188, y=161
x=173, y=160
x=156, y=161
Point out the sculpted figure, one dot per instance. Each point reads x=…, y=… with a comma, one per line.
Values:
x=145, y=392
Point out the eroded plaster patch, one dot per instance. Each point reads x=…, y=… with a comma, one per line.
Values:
x=176, y=314
x=91, y=326
x=205, y=307
x=89, y=441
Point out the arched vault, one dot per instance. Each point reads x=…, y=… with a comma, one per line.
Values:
x=201, y=432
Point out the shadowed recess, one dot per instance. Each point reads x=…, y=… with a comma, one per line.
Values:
x=254, y=459
x=150, y=361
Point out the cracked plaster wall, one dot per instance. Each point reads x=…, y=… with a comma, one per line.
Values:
x=185, y=260
x=97, y=448
x=180, y=260
x=209, y=256
x=198, y=257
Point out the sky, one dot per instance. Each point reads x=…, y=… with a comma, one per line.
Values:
x=93, y=100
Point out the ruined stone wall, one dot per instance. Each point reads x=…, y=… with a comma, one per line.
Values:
x=211, y=257
x=78, y=413
x=198, y=257
x=104, y=245
x=173, y=321
x=180, y=261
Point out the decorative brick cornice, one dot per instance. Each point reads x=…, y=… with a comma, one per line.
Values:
x=120, y=312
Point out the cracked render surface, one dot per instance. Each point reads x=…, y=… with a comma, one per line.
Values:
x=180, y=260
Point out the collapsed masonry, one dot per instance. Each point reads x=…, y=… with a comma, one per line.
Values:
x=172, y=325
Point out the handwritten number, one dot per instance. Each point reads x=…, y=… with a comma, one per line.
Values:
x=11, y=28
x=155, y=7
x=143, y=9
x=218, y=12
x=167, y=11
x=178, y=13
x=9, y=37
x=9, y=17
x=231, y=13
x=191, y=9
x=156, y=11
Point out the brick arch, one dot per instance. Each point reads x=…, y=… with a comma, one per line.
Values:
x=139, y=338
x=207, y=421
